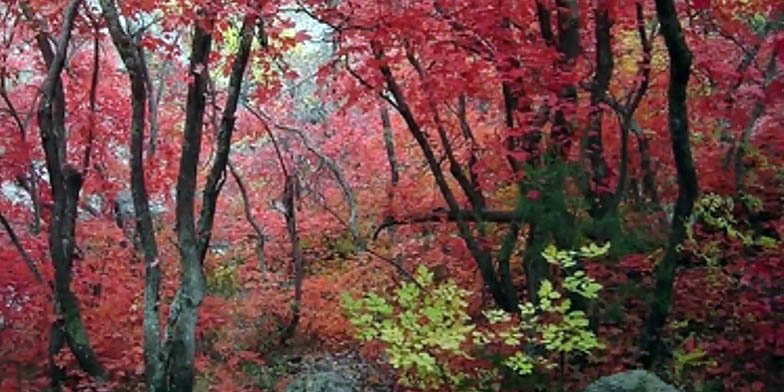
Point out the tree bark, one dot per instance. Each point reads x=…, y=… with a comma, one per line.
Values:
x=568, y=15
x=290, y=206
x=193, y=237
x=389, y=145
x=394, y=171
x=680, y=71
x=599, y=193
x=132, y=56
x=169, y=359
x=66, y=184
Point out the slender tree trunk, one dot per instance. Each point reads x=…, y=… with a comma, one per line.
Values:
x=756, y=113
x=194, y=237
x=599, y=190
x=259, y=234
x=389, y=145
x=290, y=205
x=680, y=71
x=184, y=318
x=568, y=15
x=481, y=254
x=132, y=57
x=18, y=245
x=646, y=164
x=394, y=171
x=66, y=184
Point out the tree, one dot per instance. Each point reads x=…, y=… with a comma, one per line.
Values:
x=678, y=119
x=66, y=183
x=169, y=362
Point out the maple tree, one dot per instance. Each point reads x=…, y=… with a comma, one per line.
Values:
x=187, y=188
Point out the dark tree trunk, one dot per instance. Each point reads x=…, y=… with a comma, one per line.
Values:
x=180, y=344
x=568, y=15
x=680, y=71
x=132, y=57
x=194, y=237
x=394, y=171
x=482, y=256
x=599, y=193
x=169, y=359
x=389, y=145
x=22, y=252
x=66, y=184
x=290, y=205
x=259, y=234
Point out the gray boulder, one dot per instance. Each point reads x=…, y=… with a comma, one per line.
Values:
x=322, y=381
x=631, y=381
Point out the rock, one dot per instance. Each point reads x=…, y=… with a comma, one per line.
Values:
x=322, y=381
x=631, y=381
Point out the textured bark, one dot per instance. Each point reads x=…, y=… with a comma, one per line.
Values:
x=389, y=145
x=599, y=193
x=179, y=346
x=680, y=71
x=93, y=97
x=169, y=359
x=66, y=183
x=132, y=56
x=290, y=205
x=568, y=15
x=394, y=171
x=646, y=164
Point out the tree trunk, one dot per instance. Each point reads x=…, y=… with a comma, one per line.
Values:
x=756, y=113
x=599, y=194
x=680, y=71
x=194, y=237
x=289, y=202
x=66, y=184
x=259, y=234
x=169, y=361
x=132, y=57
x=505, y=300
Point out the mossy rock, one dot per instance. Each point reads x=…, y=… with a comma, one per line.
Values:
x=324, y=381
x=631, y=381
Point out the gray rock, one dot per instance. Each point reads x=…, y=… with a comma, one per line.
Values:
x=631, y=381
x=322, y=381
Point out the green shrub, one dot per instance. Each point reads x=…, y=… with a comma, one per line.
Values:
x=424, y=326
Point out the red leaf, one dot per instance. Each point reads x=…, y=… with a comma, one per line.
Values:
x=701, y=4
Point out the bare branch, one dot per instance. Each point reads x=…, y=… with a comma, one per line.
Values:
x=19, y=247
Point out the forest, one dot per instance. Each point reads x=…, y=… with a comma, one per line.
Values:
x=392, y=195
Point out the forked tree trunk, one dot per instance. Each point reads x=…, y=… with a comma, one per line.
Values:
x=169, y=359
